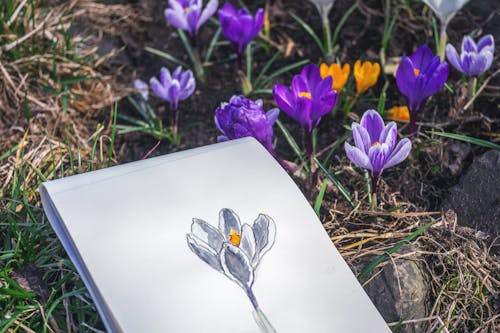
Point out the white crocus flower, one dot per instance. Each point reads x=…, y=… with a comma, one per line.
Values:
x=235, y=250
x=445, y=9
x=324, y=7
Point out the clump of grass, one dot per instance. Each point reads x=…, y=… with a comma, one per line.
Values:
x=50, y=92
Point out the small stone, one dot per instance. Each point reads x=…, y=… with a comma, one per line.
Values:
x=400, y=291
x=476, y=198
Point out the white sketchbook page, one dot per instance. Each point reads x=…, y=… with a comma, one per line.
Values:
x=130, y=230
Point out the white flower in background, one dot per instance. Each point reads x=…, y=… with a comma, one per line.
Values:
x=324, y=7
x=235, y=250
x=445, y=9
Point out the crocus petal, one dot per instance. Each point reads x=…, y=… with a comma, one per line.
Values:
x=284, y=99
x=247, y=242
x=176, y=19
x=468, y=45
x=258, y=22
x=192, y=17
x=389, y=135
x=209, y=10
x=222, y=138
x=486, y=42
x=236, y=265
x=228, y=221
x=405, y=77
x=272, y=115
x=204, y=252
x=399, y=154
x=158, y=89
x=165, y=77
x=453, y=58
x=361, y=137
x=143, y=88
x=478, y=64
x=173, y=94
x=373, y=123
x=436, y=81
x=357, y=156
x=264, y=231
x=421, y=57
x=207, y=233
x=378, y=155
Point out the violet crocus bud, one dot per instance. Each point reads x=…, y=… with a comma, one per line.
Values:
x=242, y=117
x=309, y=98
x=143, y=88
x=189, y=15
x=173, y=87
x=475, y=59
x=418, y=77
x=239, y=27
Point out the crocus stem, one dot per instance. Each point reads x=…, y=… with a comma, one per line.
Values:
x=175, y=123
x=259, y=316
x=261, y=320
x=471, y=90
x=349, y=106
x=328, y=40
x=443, y=38
x=240, y=62
x=198, y=66
x=413, y=125
x=374, y=192
x=252, y=298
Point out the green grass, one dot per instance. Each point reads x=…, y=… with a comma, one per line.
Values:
x=26, y=239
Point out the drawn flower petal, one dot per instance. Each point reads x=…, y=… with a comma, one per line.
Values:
x=204, y=252
x=236, y=265
x=264, y=230
x=207, y=233
x=247, y=242
x=228, y=220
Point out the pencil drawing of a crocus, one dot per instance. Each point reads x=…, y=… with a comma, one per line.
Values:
x=235, y=250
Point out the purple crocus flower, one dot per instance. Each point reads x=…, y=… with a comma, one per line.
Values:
x=143, y=88
x=420, y=76
x=475, y=59
x=238, y=25
x=375, y=146
x=173, y=87
x=309, y=99
x=242, y=117
x=189, y=15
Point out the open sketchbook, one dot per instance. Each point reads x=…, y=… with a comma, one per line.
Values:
x=213, y=239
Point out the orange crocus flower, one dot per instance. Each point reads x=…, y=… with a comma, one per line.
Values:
x=339, y=75
x=399, y=113
x=366, y=75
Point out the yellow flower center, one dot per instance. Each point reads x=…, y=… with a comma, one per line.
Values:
x=186, y=9
x=376, y=143
x=416, y=71
x=234, y=237
x=305, y=94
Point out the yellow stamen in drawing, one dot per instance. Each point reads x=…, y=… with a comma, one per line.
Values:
x=186, y=9
x=416, y=71
x=305, y=94
x=234, y=237
x=376, y=143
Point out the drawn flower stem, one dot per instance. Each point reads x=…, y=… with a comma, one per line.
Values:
x=259, y=316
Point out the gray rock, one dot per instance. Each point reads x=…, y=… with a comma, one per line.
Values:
x=401, y=291
x=476, y=198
